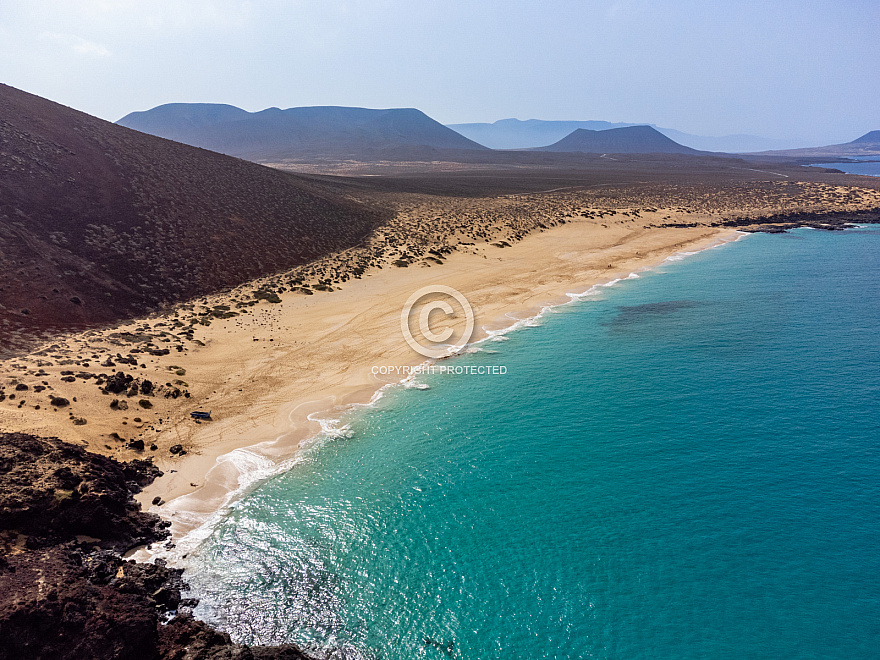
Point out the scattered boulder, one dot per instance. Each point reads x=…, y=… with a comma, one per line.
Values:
x=59, y=401
x=118, y=382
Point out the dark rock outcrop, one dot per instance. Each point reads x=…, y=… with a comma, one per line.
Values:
x=52, y=491
x=828, y=221
x=65, y=591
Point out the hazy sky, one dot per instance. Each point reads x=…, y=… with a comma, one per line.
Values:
x=777, y=68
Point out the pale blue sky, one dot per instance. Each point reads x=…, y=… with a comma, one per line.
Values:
x=777, y=68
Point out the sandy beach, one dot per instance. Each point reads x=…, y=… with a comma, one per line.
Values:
x=353, y=330
x=264, y=374
x=267, y=367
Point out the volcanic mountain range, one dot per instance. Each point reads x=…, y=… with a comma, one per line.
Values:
x=322, y=131
x=406, y=134
x=275, y=135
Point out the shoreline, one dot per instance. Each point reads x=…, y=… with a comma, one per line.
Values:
x=398, y=502
x=233, y=467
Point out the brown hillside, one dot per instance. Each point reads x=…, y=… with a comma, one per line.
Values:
x=99, y=222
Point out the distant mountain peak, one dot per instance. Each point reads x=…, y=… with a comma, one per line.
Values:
x=872, y=137
x=627, y=140
x=513, y=133
x=525, y=133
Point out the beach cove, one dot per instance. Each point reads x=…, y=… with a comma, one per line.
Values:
x=354, y=331
x=275, y=371
x=630, y=488
x=285, y=364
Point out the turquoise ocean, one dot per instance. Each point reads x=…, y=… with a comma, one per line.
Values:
x=685, y=465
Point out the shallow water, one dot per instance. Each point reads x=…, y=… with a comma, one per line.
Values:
x=682, y=466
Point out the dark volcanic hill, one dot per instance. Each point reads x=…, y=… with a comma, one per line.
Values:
x=321, y=131
x=626, y=140
x=872, y=137
x=518, y=134
x=99, y=222
x=531, y=133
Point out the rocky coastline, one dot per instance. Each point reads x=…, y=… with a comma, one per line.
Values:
x=67, y=516
x=779, y=223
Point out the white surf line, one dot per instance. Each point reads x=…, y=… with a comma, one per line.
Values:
x=535, y=320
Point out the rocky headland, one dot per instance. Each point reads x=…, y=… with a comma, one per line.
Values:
x=67, y=516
